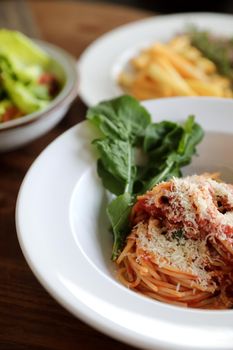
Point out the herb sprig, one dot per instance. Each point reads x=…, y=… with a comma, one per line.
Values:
x=125, y=127
x=219, y=50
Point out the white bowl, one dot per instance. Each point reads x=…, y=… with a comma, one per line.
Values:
x=18, y=132
x=64, y=234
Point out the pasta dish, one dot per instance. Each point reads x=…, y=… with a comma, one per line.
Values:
x=180, y=249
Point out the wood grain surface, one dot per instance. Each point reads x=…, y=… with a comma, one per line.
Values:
x=29, y=318
x=16, y=15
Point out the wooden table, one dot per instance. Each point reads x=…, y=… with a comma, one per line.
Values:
x=29, y=318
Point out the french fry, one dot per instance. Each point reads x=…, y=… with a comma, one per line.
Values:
x=221, y=81
x=144, y=94
x=160, y=75
x=206, y=65
x=173, y=69
x=228, y=93
x=203, y=88
x=185, y=68
x=146, y=87
x=175, y=75
x=179, y=43
x=141, y=61
x=191, y=54
x=126, y=80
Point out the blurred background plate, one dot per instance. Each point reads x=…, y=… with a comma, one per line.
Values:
x=101, y=62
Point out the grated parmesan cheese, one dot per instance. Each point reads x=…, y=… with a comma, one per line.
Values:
x=193, y=200
x=187, y=255
x=191, y=207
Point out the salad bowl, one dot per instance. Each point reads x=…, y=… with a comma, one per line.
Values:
x=18, y=132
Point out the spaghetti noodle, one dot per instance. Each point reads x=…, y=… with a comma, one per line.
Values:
x=180, y=249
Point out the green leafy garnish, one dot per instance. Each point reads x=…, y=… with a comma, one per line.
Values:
x=126, y=128
x=218, y=50
x=121, y=118
x=118, y=212
x=178, y=234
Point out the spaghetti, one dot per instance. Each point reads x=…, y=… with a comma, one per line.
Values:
x=180, y=249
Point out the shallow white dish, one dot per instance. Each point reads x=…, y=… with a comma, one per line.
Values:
x=63, y=232
x=20, y=131
x=102, y=61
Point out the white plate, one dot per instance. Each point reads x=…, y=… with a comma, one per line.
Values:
x=101, y=62
x=63, y=231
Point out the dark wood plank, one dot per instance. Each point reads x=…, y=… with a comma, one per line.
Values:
x=16, y=15
x=74, y=25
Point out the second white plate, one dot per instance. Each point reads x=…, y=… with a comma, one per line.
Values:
x=101, y=62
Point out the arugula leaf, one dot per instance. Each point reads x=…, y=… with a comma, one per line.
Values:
x=162, y=175
x=122, y=122
x=118, y=212
x=155, y=134
x=121, y=118
x=110, y=182
x=117, y=158
x=192, y=135
x=177, y=150
x=169, y=142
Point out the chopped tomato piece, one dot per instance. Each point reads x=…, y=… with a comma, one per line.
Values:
x=11, y=113
x=51, y=81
